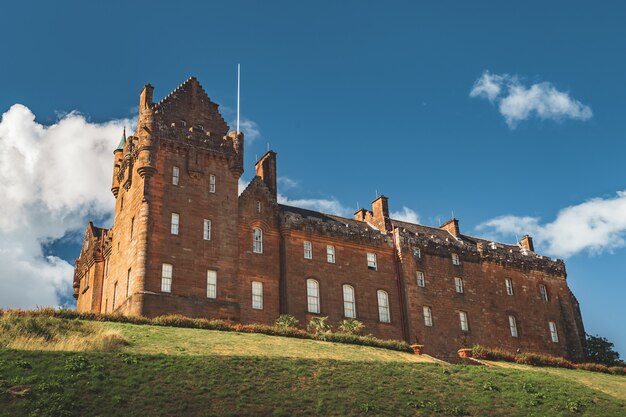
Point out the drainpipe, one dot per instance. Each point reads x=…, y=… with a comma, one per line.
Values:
x=404, y=314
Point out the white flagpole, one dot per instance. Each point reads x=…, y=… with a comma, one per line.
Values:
x=238, y=93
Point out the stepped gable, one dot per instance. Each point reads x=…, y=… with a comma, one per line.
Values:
x=188, y=106
x=330, y=225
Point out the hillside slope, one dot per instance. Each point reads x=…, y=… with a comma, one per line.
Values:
x=172, y=371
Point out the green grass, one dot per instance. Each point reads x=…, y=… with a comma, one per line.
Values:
x=180, y=372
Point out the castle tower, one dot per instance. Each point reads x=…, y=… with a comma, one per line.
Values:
x=174, y=238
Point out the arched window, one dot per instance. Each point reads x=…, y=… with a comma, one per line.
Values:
x=257, y=240
x=313, y=296
x=349, y=303
x=383, y=306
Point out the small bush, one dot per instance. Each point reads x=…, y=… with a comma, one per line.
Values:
x=318, y=326
x=286, y=320
x=351, y=326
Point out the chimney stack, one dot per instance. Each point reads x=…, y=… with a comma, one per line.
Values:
x=266, y=169
x=380, y=208
x=452, y=226
x=145, y=97
x=527, y=243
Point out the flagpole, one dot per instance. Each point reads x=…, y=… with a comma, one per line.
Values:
x=238, y=94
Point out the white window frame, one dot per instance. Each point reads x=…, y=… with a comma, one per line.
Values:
x=257, y=240
x=420, y=279
x=513, y=326
x=330, y=254
x=313, y=296
x=458, y=285
x=554, y=333
x=175, y=224
x=258, y=207
x=207, y=229
x=371, y=261
x=384, y=315
x=417, y=252
x=428, y=316
x=166, y=277
x=175, y=175
x=349, y=301
x=463, y=321
x=211, y=183
x=257, y=295
x=509, y=286
x=543, y=292
x=308, y=249
x=455, y=259
x=211, y=283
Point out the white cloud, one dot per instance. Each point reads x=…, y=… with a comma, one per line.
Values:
x=594, y=226
x=328, y=206
x=287, y=183
x=250, y=129
x=405, y=215
x=517, y=102
x=53, y=179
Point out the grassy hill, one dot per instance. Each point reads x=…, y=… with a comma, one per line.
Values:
x=151, y=370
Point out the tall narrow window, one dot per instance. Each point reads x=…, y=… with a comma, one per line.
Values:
x=257, y=240
x=257, y=295
x=383, y=306
x=207, y=229
x=258, y=206
x=513, y=326
x=308, y=250
x=349, y=304
x=554, y=335
x=175, y=175
x=543, y=291
x=313, y=296
x=211, y=183
x=211, y=284
x=114, y=294
x=417, y=253
x=174, y=225
x=371, y=261
x=509, y=286
x=428, y=316
x=458, y=285
x=463, y=320
x=166, y=278
x=129, y=278
x=132, y=228
x=455, y=259
x=330, y=254
x=421, y=281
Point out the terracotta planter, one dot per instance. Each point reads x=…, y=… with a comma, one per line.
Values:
x=417, y=349
x=465, y=353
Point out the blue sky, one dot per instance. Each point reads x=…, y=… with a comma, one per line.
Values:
x=356, y=98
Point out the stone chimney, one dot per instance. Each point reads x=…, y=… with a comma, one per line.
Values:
x=452, y=226
x=527, y=243
x=380, y=209
x=360, y=214
x=266, y=169
x=145, y=97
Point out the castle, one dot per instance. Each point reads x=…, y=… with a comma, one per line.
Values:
x=184, y=241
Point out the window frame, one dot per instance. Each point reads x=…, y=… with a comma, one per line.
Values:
x=372, y=261
x=420, y=279
x=513, y=326
x=257, y=295
x=166, y=281
x=508, y=283
x=211, y=284
x=417, y=253
x=175, y=175
x=543, y=293
x=313, y=304
x=308, y=249
x=349, y=305
x=464, y=321
x=456, y=259
x=384, y=310
x=554, y=332
x=458, y=285
x=206, y=229
x=331, y=257
x=257, y=240
x=212, y=183
x=175, y=224
x=427, y=311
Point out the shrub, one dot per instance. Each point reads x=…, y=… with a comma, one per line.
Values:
x=318, y=326
x=286, y=320
x=351, y=326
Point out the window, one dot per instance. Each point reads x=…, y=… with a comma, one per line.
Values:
x=428, y=316
x=258, y=206
x=458, y=285
x=174, y=225
x=455, y=259
x=257, y=240
x=313, y=296
x=106, y=269
x=122, y=203
x=383, y=306
x=371, y=261
x=114, y=294
x=175, y=175
x=417, y=253
x=257, y=295
x=132, y=228
x=509, y=286
x=513, y=326
x=129, y=278
x=308, y=250
x=543, y=291
x=211, y=284
x=211, y=183
x=166, y=278
x=349, y=304
x=207, y=229
x=463, y=319
x=421, y=282
x=554, y=335
x=330, y=254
